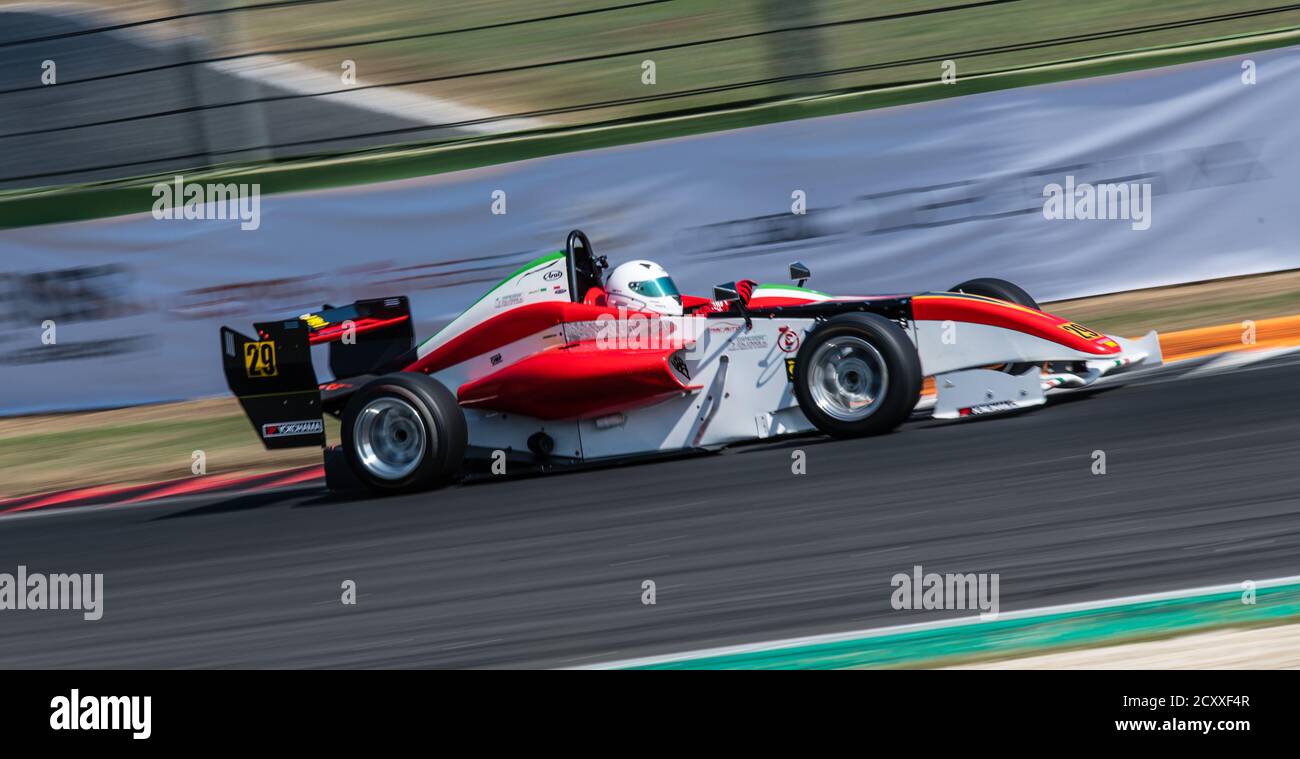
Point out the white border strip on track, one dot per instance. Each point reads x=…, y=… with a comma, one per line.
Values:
x=877, y=632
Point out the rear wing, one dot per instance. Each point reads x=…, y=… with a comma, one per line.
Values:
x=272, y=374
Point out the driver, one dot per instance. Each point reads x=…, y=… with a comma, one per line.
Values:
x=646, y=286
x=643, y=286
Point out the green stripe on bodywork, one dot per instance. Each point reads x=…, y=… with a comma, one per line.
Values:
x=517, y=272
x=793, y=288
x=1018, y=637
x=522, y=270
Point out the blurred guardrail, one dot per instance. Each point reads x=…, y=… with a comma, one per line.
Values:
x=137, y=87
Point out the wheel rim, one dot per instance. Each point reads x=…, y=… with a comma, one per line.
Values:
x=389, y=438
x=848, y=378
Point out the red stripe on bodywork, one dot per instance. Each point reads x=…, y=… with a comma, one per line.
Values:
x=505, y=328
x=996, y=313
x=576, y=381
x=777, y=301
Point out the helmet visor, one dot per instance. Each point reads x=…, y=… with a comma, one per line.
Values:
x=655, y=288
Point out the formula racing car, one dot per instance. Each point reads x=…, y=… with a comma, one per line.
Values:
x=545, y=372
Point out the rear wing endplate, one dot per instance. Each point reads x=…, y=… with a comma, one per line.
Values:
x=272, y=375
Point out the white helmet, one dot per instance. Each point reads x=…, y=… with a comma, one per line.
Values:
x=643, y=286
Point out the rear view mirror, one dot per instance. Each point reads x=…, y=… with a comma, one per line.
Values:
x=730, y=293
x=800, y=272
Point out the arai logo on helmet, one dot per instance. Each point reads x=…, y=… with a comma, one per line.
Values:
x=285, y=429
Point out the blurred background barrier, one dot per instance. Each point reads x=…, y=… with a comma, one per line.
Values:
x=900, y=199
x=101, y=91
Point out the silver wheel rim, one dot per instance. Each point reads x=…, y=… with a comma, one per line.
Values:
x=847, y=378
x=389, y=438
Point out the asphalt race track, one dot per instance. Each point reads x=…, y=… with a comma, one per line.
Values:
x=1201, y=488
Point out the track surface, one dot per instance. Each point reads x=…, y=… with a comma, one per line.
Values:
x=1202, y=483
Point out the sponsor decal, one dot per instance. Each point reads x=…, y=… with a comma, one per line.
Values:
x=1081, y=331
x=259, y=359
x=679, y=364
x=506, y=301
x=789, y=369
x=546, y=271
x=992, y=408
x=748, y=343
x=315, y=321
x=286, y=429
x=496, y=359
x=787, y=340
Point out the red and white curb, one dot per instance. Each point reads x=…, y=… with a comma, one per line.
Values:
x=117, y=495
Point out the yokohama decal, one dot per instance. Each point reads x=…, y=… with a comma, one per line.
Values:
x=286, y=429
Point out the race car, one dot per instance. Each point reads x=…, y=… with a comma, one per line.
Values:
x=543, y=372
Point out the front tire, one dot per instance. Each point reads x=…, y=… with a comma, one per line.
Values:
x=404, y=432
x=858, y=374
x=1001, y=289
x=992, y=287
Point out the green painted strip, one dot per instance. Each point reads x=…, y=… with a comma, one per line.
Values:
x=21, y=208
x=771, y=286
x=517, y=272
x=934, y=647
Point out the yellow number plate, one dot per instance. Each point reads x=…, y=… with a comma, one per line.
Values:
x=1081, y=331
x=259, y=359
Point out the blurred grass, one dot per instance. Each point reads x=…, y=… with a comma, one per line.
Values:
x=155, y=443
x=739, y=60
x=750, y=59
x=137, y=445
x=1203, y=304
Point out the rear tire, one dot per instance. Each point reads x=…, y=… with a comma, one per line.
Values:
x=858, y=374
x=404, y=432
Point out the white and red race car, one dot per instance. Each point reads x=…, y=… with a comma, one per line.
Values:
x=542, y=372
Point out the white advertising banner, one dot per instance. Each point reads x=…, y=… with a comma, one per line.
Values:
x=1106, y=184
